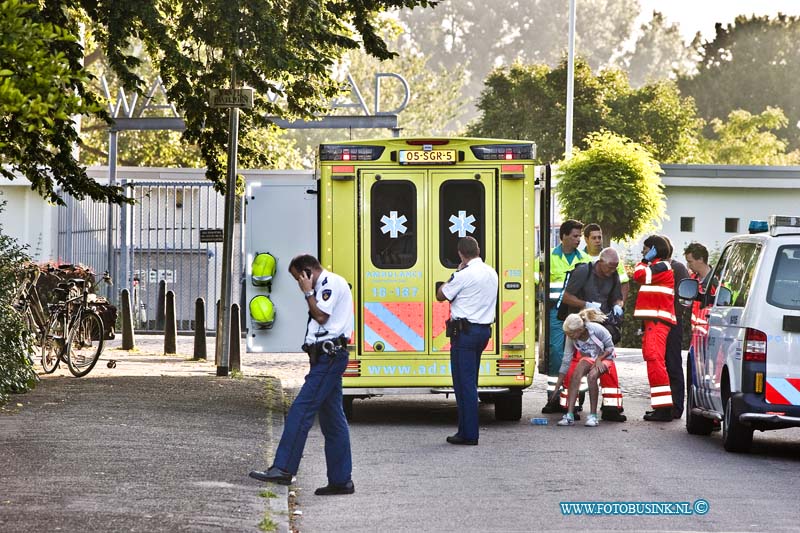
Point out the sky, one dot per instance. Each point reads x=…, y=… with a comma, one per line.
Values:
x=701, y=15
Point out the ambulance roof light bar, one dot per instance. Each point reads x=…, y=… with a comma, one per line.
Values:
x=783, y=225
x=340, y=152
x=505, y=152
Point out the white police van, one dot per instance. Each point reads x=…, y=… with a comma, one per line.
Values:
x=745, y=372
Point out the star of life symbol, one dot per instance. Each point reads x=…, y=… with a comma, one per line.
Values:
x=462, y=224
x=393, y=224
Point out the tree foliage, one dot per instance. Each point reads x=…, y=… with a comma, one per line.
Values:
x=747, y=139
x=282, y=48
x=750, y=64
x=660, y=53
x=42, y=86
x=529, y=102
x=482, y=34
x=614, y=182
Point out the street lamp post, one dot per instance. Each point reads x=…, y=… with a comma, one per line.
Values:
x=570, y=80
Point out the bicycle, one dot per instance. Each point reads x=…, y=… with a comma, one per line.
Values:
x=75, y=333
x=29, y=305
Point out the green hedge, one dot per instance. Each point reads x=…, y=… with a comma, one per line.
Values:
x=16, y=344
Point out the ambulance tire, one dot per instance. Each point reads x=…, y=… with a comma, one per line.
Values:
x=486, y=398
x=347, y=406
x=695, y=424
x=736, y=437
x=508, y=407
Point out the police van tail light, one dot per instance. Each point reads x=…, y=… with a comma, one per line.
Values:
x=339, y=152
x=505, y=152
x=755, y=346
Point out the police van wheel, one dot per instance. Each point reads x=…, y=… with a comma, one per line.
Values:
x=736, y=437
x=695, y=424
x=508, y=407
x=347, y=405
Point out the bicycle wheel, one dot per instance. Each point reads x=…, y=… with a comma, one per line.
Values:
x=52, y=345
x=85, y=344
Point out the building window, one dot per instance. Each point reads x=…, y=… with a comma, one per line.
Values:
x=731, y=225
x=687, y=223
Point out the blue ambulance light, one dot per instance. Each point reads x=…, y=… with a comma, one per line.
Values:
x=505, y=152
x=339, y=152
x=758, y=226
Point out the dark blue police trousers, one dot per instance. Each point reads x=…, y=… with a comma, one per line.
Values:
x=465, y=361
x=321, y=393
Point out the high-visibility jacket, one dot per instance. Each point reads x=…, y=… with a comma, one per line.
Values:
x=559, y=266
x=700, y=315
x=656, y=299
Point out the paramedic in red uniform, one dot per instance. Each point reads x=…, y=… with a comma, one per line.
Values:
x=655, y=305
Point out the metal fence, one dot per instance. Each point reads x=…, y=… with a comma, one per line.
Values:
x=158, y=238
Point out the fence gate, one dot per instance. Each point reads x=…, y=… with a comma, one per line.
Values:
x=173, y=233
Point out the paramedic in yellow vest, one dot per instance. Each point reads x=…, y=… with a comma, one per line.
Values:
x=563, y=258
x=593, y=236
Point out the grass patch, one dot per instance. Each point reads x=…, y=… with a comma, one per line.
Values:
x=237, y=374
x=267, y=524
x=267, y=494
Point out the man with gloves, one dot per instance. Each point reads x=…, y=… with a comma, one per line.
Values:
x=596, y=285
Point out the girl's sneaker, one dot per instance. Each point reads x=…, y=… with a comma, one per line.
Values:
x=591, y=421
x=567, y=420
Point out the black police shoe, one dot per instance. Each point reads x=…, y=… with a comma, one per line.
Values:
x=273, y=475
x=612, y=414
x=457, y=439
x=333, y=490
x=662, y=414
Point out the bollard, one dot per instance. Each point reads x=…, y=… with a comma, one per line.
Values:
x=200, y=329
x=160, y=303
x=236, y=339
x=128, y=342
x=170, y=326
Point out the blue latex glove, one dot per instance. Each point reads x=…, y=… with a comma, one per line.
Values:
x=651, y=254
x=593, y=305
x=618, y=310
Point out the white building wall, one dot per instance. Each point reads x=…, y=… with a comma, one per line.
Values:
x=709, y=207
x=28, y=218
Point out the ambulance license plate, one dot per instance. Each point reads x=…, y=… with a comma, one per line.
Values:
x=428, y=157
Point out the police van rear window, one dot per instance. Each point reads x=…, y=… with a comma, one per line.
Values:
x=784, y=285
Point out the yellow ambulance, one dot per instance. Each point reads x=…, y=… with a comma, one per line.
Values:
x=390, y=214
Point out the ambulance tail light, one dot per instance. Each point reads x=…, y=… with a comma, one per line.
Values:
x=339, y=152
x=353, y=369
x=503, y=152
x=755, y=346
x=510, y=367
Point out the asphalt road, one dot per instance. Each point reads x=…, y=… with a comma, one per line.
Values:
x=409, y=479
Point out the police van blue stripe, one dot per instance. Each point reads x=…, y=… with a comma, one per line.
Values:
x=371, y=337
x=785, y=389
x=401, y=328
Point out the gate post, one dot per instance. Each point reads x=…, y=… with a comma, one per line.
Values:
x=170, y=326
x=160, y=302
x=235, y=339
x=200, y=329
x=128, y=342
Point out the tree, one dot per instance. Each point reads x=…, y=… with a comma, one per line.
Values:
x=747, y=139
x=529, y=102
x=750, y=64
x=482, y=34
x=614, y=182
x=284, y=48
x=659, y=54
x=42, y=86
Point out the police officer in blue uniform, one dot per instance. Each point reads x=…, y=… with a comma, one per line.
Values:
x=330, y=325
x=472, y=292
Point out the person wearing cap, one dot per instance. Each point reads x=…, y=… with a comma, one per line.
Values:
x=330, y=326
x=472, y=293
